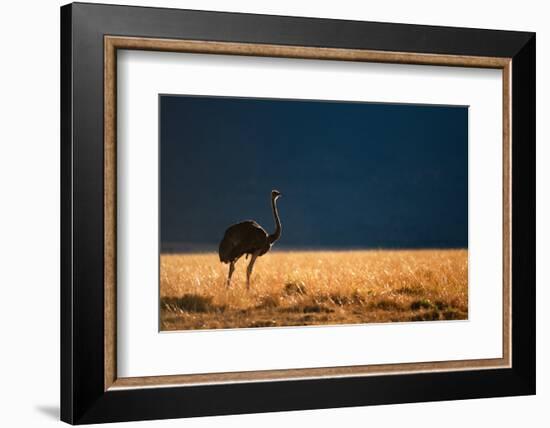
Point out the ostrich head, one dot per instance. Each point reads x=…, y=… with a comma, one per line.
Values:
x=275, y=194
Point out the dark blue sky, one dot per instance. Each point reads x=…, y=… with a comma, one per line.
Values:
x=351, y=174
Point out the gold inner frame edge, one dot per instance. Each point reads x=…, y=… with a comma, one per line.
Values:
x=113, y=43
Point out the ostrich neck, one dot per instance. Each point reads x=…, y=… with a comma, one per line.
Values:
x=277, y=234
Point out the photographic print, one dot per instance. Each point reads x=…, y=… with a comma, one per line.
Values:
x=280, y=212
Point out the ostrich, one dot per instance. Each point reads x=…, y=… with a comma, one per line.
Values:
x=249, y=238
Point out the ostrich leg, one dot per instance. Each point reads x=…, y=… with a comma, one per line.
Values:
x=249, y=269
x=231, y=270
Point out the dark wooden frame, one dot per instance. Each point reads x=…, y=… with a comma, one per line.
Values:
x=86, y=395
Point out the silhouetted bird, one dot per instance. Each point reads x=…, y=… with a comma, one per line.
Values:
x=249, y=238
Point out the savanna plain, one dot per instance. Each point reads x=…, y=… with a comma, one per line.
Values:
x=297, y=288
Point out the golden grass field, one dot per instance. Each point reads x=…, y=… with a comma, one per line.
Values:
x=314, y=288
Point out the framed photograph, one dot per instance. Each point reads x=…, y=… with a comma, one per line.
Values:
x=266, y=213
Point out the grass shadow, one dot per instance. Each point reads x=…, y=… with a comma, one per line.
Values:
x=191, y=303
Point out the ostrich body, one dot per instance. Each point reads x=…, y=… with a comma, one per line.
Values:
x=249, y=238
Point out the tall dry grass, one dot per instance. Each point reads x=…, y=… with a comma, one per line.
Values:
x=315, y=287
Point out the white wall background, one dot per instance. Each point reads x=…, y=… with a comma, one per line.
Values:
x=29, y=218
